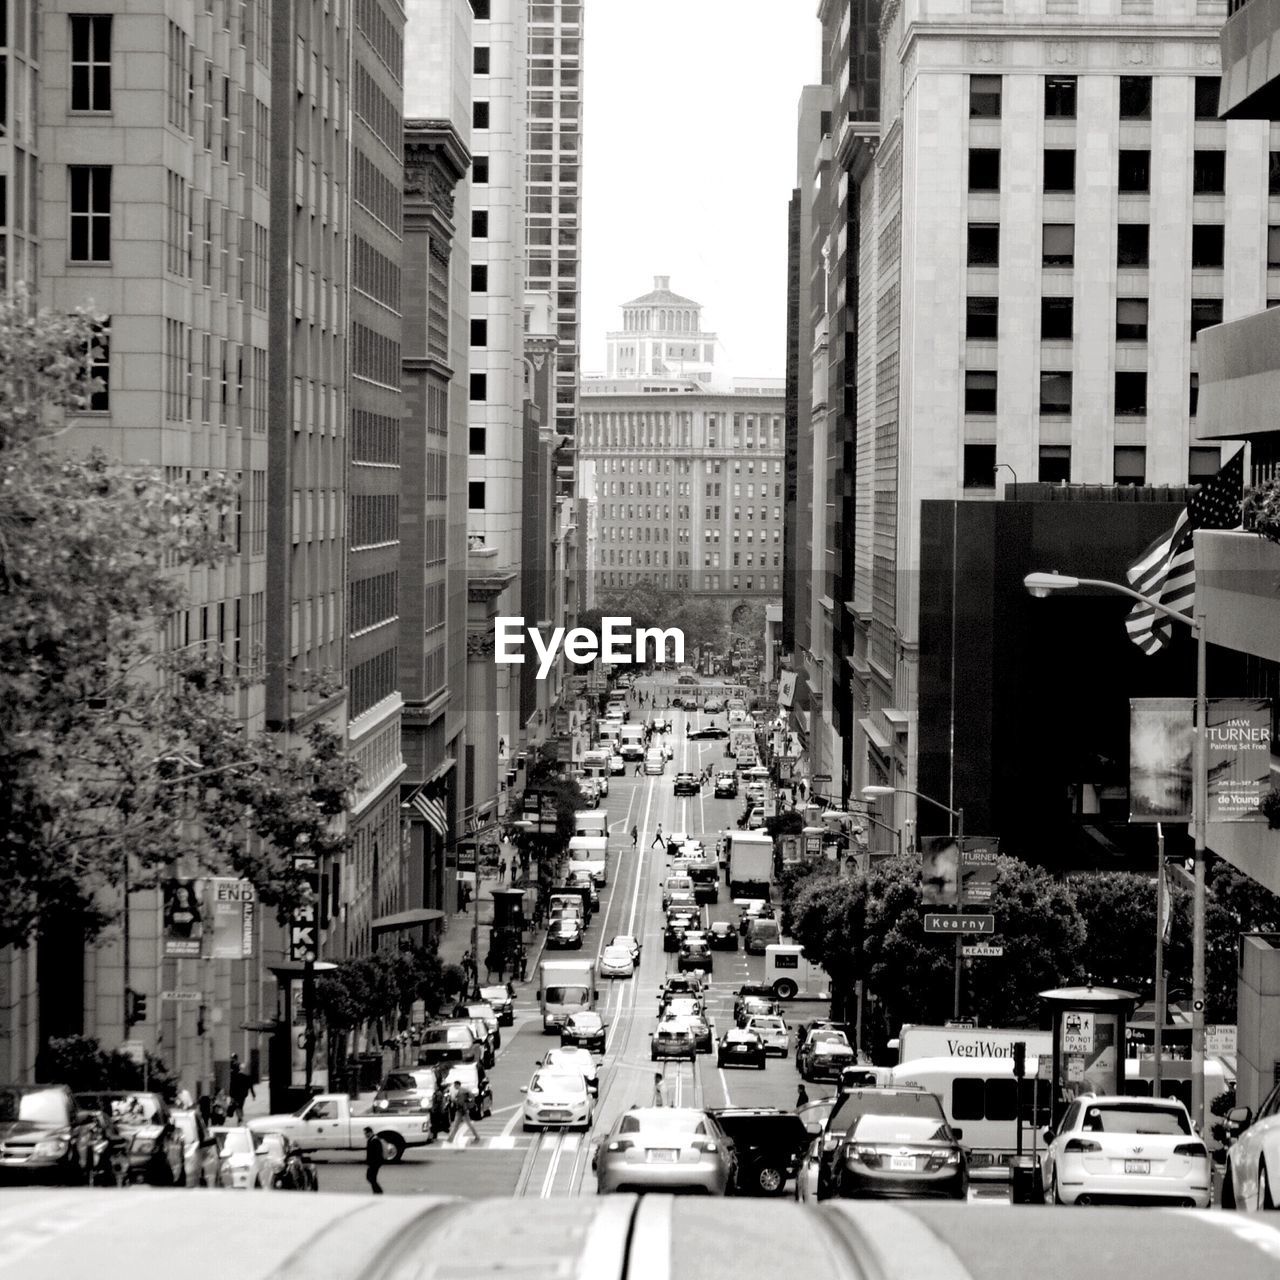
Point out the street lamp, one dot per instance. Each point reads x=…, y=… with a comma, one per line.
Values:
x=1041, y=585
x=956, y=828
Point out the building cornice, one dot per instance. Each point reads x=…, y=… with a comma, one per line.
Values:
x=435, y=160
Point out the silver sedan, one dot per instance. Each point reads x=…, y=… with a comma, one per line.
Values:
x=665, y=1149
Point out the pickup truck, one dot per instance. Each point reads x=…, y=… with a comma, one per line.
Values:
x=330, y=1123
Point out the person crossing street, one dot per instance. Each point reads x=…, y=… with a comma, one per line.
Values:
x=658, y=838
x=374, y=1156
x=635, y=835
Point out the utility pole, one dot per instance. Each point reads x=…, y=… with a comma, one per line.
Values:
x=958, y=831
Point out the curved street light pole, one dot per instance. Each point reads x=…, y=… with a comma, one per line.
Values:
x=1040, y=585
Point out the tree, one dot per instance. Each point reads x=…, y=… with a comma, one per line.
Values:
x=828, y=918
x=114, y=743
x=566, y=795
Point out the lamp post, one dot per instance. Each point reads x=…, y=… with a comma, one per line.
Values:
x=956, y=828
x=1040, y=585
x=1005, y=466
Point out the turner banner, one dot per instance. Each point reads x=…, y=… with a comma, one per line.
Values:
x=230, y=905
x=1239, y=758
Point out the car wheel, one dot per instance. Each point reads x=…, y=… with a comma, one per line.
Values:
x=529, y=1128
x=762, y=1064
x=1264, y=1189
x=395, y=1146
x=1228, y=1197
x=1054, y=1197
x=784, y=988
x=770, y=1179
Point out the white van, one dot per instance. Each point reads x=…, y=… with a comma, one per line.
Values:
x=631, y=742
x=590, y=854
x=590, y=822
x=792, y=975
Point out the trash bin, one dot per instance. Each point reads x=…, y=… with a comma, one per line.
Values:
x=1024, y=1180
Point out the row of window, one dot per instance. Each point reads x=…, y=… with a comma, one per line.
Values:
x=372, y=601
x=1129, y=464
x=1130, y=393
x=1133, y=244
x=698, y=582
x=1057, y=317
x=986, y=94
x=370, y=681
x=375, y=519
x=210, y=380
x=235, y=627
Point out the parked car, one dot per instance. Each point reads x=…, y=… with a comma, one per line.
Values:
x=200, y=1151
x=47, y=1134
x=586, y=1030
x=1253, y=1158
x=1113, y=1148
x=665, y=1149
x=721, y=936
x=240, y=1167
x=769, y=1144
x=487, y=1014
x=156, y=1148
x=502, y=1003
x=740, y=1048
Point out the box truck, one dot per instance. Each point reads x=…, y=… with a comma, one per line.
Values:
x=750, y=864
x=565, y=987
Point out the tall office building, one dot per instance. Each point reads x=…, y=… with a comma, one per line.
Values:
x=1043, y=323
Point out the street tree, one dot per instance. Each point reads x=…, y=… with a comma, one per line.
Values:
x=122, y=752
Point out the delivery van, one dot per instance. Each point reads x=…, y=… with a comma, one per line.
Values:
x=590, y=822
x=590, y=854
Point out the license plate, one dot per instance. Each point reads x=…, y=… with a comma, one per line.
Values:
x=557, y=1115
x=1137, y=1166
x=667, y=1154
x=904, y=1164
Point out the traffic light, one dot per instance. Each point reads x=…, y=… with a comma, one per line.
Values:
x=1019, y=1059
x=137, y=1007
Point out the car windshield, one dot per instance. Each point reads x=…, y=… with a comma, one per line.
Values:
x=571, y=1059
x=409, y=1081
x=666, y=1120
x=829, y=1037
x=234, y=1142
x=566, y=995
x=1117, y=1118
x=135, y=1109
x=768, y=1024
x=186, y=1124
x=498, y=995
x=899, y=1128
x=881, y=1102
x=617, y=953
x=585, y=1022
x=43, y=1106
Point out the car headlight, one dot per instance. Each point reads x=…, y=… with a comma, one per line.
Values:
x=145, y=1146
x=51, y=1149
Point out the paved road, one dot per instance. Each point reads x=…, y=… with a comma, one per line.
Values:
x=507, y=1161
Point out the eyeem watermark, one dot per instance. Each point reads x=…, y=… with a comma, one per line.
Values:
x=618, y=641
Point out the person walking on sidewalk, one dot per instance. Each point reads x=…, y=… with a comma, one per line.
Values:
x=241, y=1088
x=373, y=1159
x=502, y=870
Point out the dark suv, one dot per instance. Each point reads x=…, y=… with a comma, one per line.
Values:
x=44, y=1134
x=770, y=1144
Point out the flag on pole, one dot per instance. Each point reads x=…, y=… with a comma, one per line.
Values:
x=433, y=810
x=1166, y=570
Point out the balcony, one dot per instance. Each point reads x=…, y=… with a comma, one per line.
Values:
x=1250, y=42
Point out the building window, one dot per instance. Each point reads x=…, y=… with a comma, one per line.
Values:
x=1132, y=244
x=1135, y=97
x=1060, y=170
x=1273, y=173
x=1055, y=464
x=980, y=391
x=982, y=317
x=479, y=223
x=480, y=9
x=1203, y=463
x=1209, y=173
x=479, y=279
x=984, y=97
x=98, y=368
x=1207, y=91
x=1273, y=246
x=90, y=212
x=984, y=168
x=475, y=495
x=1131, y=395
x=1056, y=316
x=1135, y=171
x=1055, y=394
x=1059, y=244
x=1060, y=97
x=479, y=170
x=479, y=333
x=1131, y=319
x=1204, y=312
x=479, y=386
x=984, y=244
x=479, y=115
x=1129, y=464
x=90, y=62
x=476, y=441
x=1193, y=400
x=480, y=60
x=1206, y=244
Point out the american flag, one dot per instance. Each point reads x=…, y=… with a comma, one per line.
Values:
x=433, y=810
x=1166, y=570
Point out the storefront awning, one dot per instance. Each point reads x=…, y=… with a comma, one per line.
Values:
x=407, y=919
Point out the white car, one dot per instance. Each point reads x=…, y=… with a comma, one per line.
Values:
x=557, y=1098
x=1118, y=1148
x=1253, y=1159
x=617, y=962
x=617, y=765
x=572, y=1058
x=773, y=1031
x=632, y=944
x=239, y=1164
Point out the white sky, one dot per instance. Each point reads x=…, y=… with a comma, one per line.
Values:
x=689, y=159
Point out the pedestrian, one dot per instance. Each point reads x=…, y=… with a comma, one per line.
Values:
x=221, y=1105
x=462, y=1101
x=373, y=1158
x=802, y=1096
x=658, y=1100
x=462, y=896
x=658, y=838
x=524, y=968
x=502, y=870
x=639, y=768
x=183, y=1101
x=241, y=1089
x=635, y=834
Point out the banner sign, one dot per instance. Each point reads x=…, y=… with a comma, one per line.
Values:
x=1238, y=758
x=786, y=689
x=183, y=918
x=978, y=867
x=939, y=871
x=304, y=923
x=231, y=904
x=1161, y=732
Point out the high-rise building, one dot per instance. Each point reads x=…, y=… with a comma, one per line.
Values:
x=1041, y=326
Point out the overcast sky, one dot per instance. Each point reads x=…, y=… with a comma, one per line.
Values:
x=689, y=159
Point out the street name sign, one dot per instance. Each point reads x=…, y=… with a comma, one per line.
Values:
x=959, y=922
x=980, y=949
x=183, y=997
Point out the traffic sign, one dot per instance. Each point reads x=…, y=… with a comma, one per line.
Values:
x=134, y=1050
x=959, y=922
x=980, y=949
x=183, y=997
